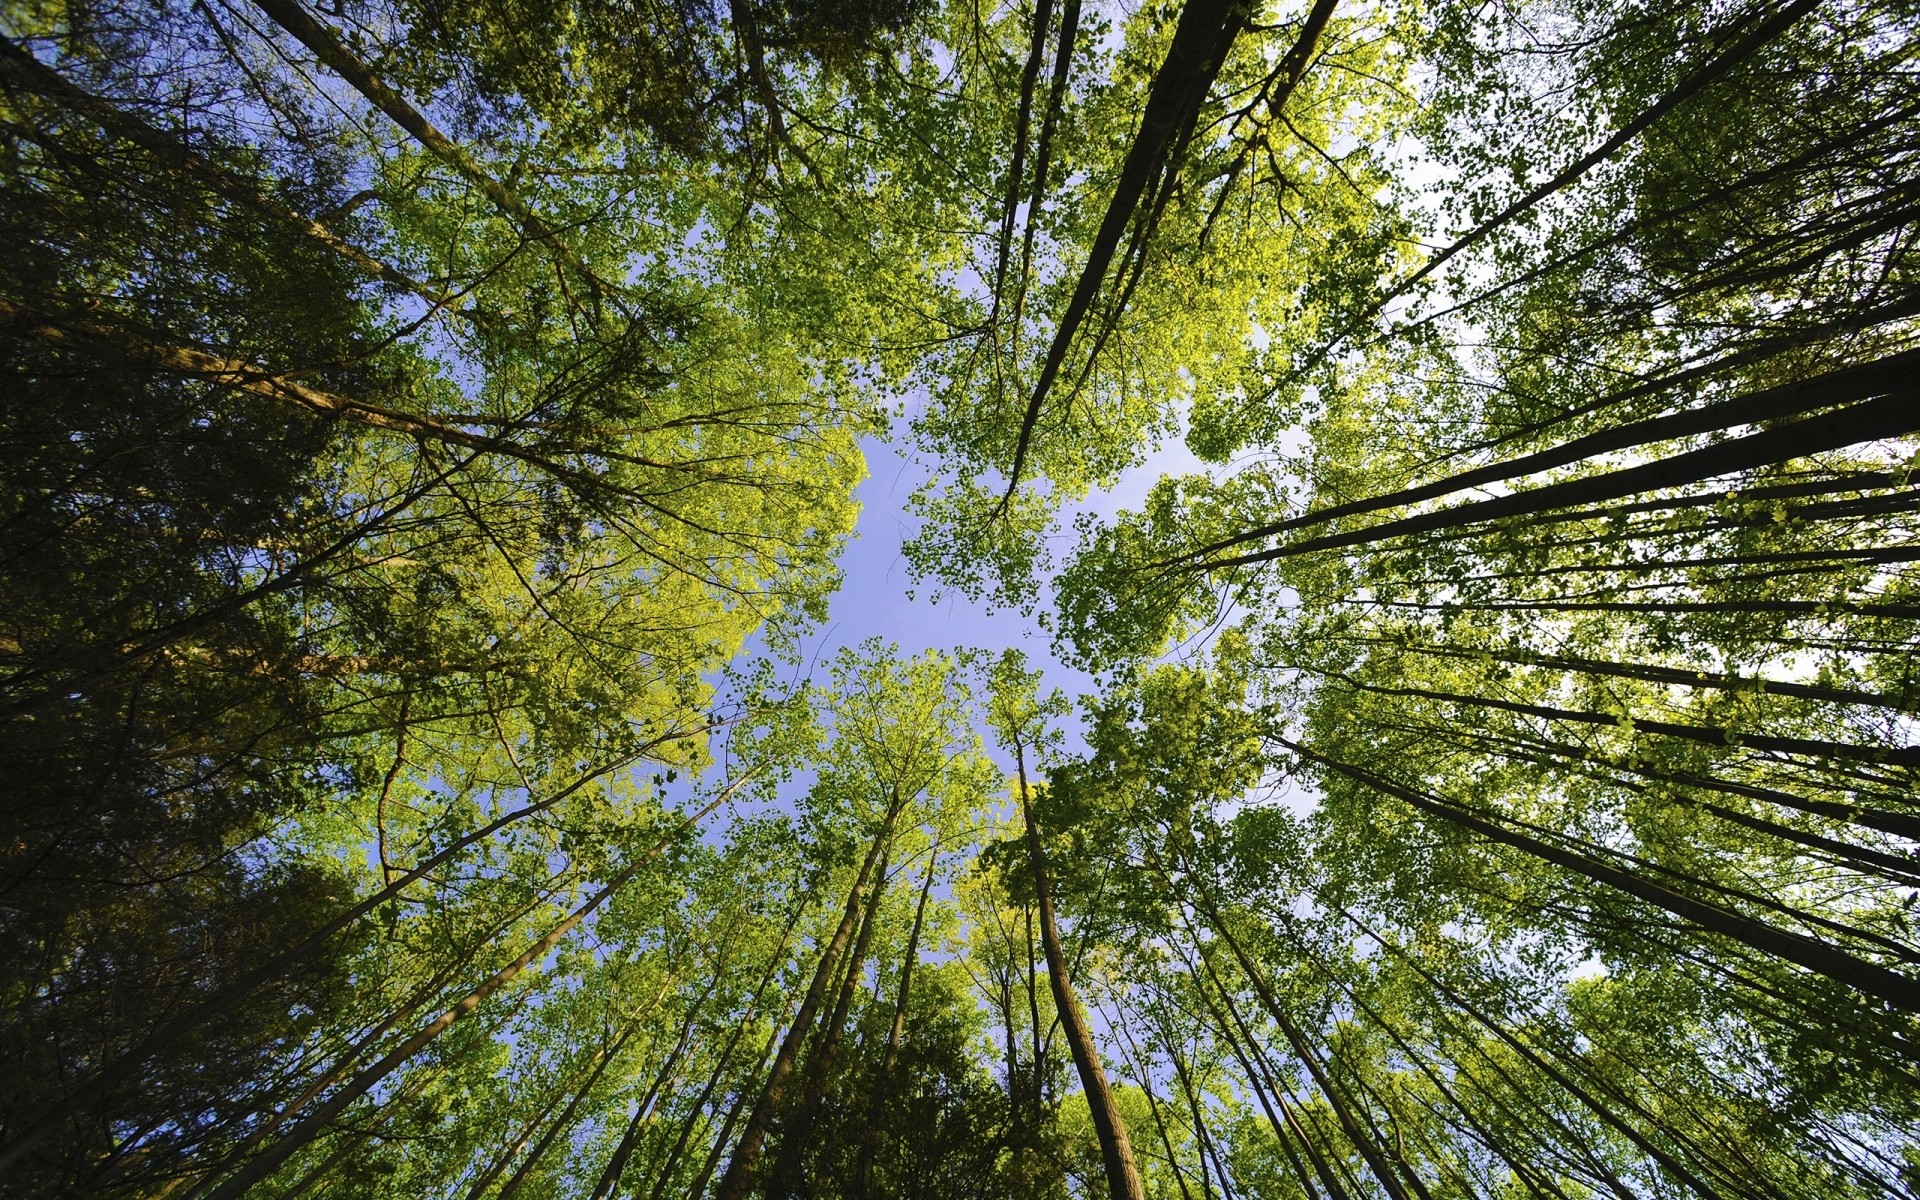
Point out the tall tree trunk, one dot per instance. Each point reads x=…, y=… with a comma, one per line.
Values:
x=737, y=1180
x=1890, y=412
x=1704, y=735
x=1606, y=1112
x=883, y=1078
x=819, y=1070
x=322, y=1117
x=1304, y=1052
x=1116, y=1152
x=1201, y=39
x=1657, y=673
x=328, y=48
x=1868, y=978
x=23, y=69
x=1701, y=78
x=1772, y=404
x=559, y=1124
x=1246, y=1051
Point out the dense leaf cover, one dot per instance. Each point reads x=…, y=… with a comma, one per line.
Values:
x=430, y=430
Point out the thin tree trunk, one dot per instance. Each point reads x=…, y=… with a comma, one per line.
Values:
x=1698, y=80
x=1865, y=977
x=327, y=47
x=1260, y=1078
x=243, y=986
x=1201, y=39
x=1702, y=734
x=1899, y=824
x=1116, y=1152
x=737, y=1180
x=774, y=962
x=321, y=1117
x=819, y=1070
x=562, y=1122
x=1772, y=404
x=1143, y=1071
x=883, y=1078
x=1654, y=673
x=1890, y=413
x=1360, y=1138
x=1604, y=1111
x=23, y=69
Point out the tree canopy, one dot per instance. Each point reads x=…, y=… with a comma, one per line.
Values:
x=432, y=437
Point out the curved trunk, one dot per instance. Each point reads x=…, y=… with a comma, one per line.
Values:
x=1116, y=1152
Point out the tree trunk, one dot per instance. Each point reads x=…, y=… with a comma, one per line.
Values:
x=883, y=1078
x=1201, y=39
x=1890, y=413
x=561, y=1123
x=1868, y=978
x=737, y=1180
x=819, y=1070
x=1116, y=1152
x=1772, y=404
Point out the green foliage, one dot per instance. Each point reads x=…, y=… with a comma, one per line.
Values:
x=1501, y=778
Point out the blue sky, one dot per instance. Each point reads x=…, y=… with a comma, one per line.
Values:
x=874, y=599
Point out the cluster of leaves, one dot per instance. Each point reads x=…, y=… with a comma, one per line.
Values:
x=420, y=403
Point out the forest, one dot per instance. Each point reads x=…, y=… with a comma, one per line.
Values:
x=1472, y=446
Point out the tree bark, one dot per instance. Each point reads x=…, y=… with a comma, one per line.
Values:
x=1868, y=978
x=1116, y=1152
x=1890, y=413
x=883, y=1078
x=737, y=1180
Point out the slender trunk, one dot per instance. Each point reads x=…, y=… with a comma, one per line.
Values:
x=1655, y=673
x=320, y=1119
x=738, y=1106
x=560, y=1124
x=1899, y=824
x=1039, y=1043
x=1890, y=412
x=774, y=963
x=1202, y=1137
x=1829, y=560
x=819, y=1070
x=1308, y=1058
x=1759, y=516
x=1606, y=1112
x=1704, y=735
x=345, y=1061
x=1201, y=39
x=1895, y=868
x=1701, y=78
x=1043, y=157
x=1868, y=978
x=609, y=1184
x=1143, y=1071
x=1116, y=1152
x=1514, y=1161
x=1791, y=608
x=238, y=989
x=883, y=1078
x=1017, y=167
x=327, y=47
x=1260, y=1078
x=23, y=69
x=1771, y=404
x=737, y=1180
